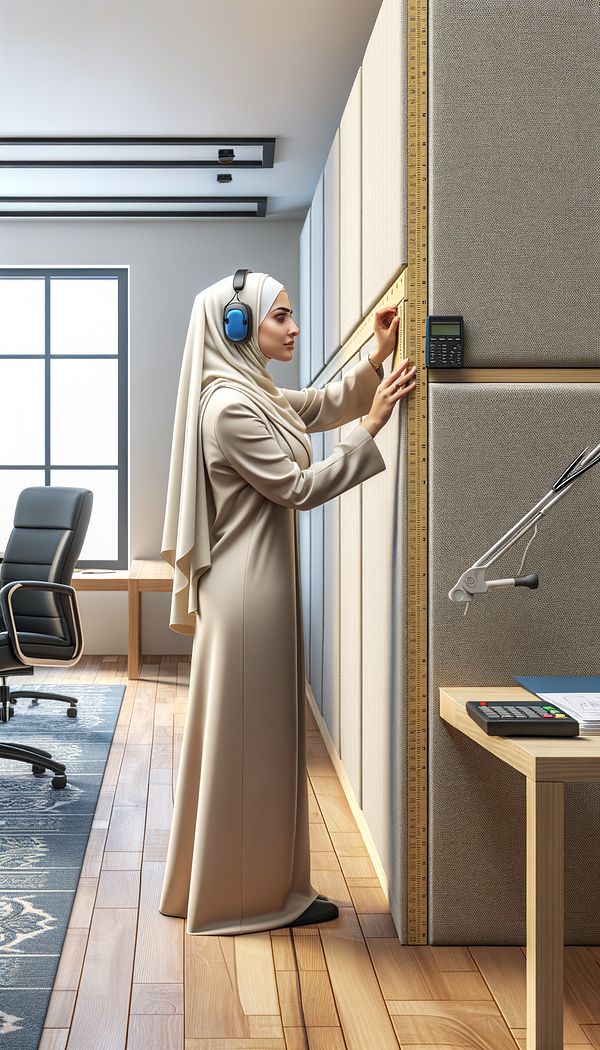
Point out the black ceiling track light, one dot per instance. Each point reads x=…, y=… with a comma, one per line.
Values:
x=154, y=153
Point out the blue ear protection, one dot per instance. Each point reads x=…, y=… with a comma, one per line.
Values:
x=237, y=316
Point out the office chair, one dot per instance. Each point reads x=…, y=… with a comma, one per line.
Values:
x=39, y=615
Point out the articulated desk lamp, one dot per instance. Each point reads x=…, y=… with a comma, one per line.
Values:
x=525, y=718
x=473, y=581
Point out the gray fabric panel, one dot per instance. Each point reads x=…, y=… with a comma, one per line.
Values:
x=331, y=251
x=384, y=201
x=514, y=178
x=316, y=586
x=331, y=604
x=304, y=553
x=494, y=451
x=383, y=661
x=304, y=308
x=351, y=630
x=316, y=280
x=350, y=205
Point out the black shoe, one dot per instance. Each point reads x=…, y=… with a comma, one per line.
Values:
x=319, y=911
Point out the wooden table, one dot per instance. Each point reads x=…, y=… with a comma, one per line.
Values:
x=547, y=763
x=144, y=574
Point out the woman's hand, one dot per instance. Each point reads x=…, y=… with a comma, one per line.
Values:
x=385, y=330
x=399, y=383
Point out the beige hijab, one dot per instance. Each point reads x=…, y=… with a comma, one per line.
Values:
x=211, y=360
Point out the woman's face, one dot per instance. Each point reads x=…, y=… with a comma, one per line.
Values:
x=278, y=330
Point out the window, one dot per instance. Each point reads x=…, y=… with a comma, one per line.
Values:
x=63, y=396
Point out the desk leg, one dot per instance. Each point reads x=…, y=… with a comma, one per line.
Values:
x=134, y=647
x=545, y=914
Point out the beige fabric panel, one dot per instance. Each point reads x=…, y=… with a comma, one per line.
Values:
x=494, y=450
x=316, y=586
x=514, y=178
x=383, y=661
x=304, y=340
x=316, y=280
x=384, y=153
x=331, y=250
x=351, y=629
x=304, y=555
x=304, y=306
x=350, y=208
x=331, y=603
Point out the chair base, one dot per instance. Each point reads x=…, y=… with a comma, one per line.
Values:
x=36, y=696
x=39, y=760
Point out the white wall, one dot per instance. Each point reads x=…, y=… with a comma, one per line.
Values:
x=170, y=262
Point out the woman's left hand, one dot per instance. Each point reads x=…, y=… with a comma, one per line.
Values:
x=385, y=330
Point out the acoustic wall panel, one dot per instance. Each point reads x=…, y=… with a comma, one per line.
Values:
x=304, y=555
x=331, y=603
x=350, y=745
x=514, y=179
x=383, y=653
x=350, y=205
x=303, y=342
x=316, y=586
x=331, y=250
x=384, y=144
x=316, y=280
x=494, y=451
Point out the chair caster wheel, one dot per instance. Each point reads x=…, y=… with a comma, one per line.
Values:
x=72, y=712
x=38, y=771
x=59, y=780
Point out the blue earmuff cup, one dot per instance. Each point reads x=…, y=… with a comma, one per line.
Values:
x=236, y=324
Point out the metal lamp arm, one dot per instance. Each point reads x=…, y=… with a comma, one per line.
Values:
x=473, y=580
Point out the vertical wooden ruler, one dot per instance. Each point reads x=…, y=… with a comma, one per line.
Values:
x=417, y=539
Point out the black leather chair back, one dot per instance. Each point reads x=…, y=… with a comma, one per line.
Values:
x=50, y=524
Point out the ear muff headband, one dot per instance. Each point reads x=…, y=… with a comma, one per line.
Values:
x=237, y=316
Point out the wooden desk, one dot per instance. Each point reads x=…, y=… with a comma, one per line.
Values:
x=144, y=575
x=547, y=763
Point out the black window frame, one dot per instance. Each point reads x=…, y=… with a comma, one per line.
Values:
x=86, y=273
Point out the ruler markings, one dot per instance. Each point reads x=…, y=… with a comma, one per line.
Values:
x=417, y=476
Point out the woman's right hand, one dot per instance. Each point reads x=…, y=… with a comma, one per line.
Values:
x=388, y=393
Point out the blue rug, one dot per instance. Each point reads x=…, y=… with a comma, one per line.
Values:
x=43, y=838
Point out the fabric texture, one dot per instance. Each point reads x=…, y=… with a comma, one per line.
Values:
x=525, y=434
x=238, y=858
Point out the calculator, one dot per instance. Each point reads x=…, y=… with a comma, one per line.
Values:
x=444, y=341
x=530, y=718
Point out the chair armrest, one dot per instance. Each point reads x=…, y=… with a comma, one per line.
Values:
x=73, y=620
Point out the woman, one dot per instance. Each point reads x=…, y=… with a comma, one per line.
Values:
x=238, y=859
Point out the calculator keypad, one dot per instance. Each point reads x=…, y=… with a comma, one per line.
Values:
x=525, y=718
x=445, y=351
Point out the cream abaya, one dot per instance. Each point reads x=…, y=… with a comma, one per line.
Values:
x=238, y=859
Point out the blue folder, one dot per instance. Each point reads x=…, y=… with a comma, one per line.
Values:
x=560, y=683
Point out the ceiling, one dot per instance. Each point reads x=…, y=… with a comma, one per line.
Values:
x=272, y=68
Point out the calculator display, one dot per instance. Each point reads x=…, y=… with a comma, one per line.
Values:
x=444, y=328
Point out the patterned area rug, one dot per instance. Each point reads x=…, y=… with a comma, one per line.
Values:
x=43, y=837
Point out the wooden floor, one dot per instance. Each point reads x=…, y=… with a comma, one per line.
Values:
x=130, y=977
